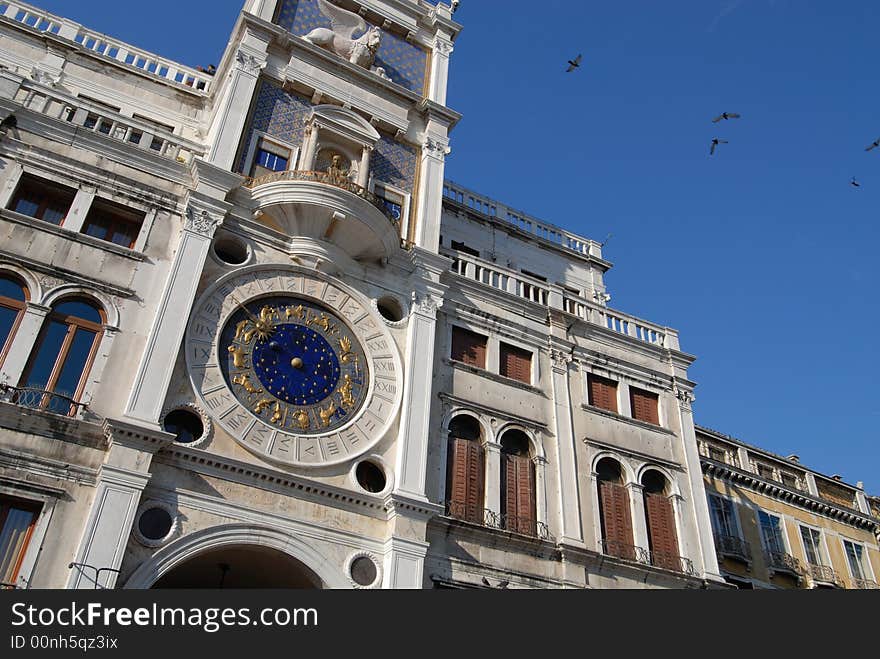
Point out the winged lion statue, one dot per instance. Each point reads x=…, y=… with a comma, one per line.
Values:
x=339, y=38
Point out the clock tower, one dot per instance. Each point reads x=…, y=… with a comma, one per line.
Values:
x=290, y=363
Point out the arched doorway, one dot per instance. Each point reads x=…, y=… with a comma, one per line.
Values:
x=240, y=567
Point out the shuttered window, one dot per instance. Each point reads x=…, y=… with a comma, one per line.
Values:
x=603, y=393
x=518, y=494
x=662, y=539
x=644, y=406
x=616, y=521
x=465, y=480
x=468, y=347
x=515, y=363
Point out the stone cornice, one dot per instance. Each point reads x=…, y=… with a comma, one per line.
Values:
x=46, y=424
x=488, y=537
x=529, y=423
x=230, y=469
x=397, y=503
x=627, y=419
x=133, y=435
x=779, y=492
x=495, y=377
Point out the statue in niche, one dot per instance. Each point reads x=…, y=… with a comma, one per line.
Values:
x=339, y=38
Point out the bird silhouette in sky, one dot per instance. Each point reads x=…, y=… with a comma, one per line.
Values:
x=855, y=183
x=726, y=115
x=715, y=142
x=574, y=63
x=874, y=144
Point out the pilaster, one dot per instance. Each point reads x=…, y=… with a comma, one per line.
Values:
x=571, y=527
x=492, y=477
x=121, y=482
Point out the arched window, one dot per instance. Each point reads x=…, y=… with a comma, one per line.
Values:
x=13, y=300
x=517, y=483
x=660, y=518
x=465, y=470
x=614, y=510
x=61, y=359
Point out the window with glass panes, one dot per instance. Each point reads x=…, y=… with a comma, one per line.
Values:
x=723, y=516
x=42, y=199
x=771, y=532
x=855, y=556
x=812, y=545
x=17, y=521
x=114, y=223
x=13, y=301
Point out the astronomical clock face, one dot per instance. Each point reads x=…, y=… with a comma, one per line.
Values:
x=295, y=368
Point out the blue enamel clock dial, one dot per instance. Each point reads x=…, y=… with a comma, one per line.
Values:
x=296, y=365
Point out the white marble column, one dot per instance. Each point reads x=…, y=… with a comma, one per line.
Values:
x=430, y=193
x=228, y=123
x=540, y=492
x=364, y=167
x=440, y=68
x=415, y=431
x=404, y=564
x=571, y=527
x=121, y=481
x=492, y=500
x=82, y=202
x=639, y=519
x=23, y=342
x=163, y=343
x=707, y=561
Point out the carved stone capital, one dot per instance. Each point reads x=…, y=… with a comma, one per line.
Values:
x=201, y=222
x=685, y=398
x=426, y=304
x=443, y=47
x=249, y=63
x=437, y=148
x=561, y=359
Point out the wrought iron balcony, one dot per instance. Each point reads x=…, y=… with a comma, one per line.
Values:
x=37, y=398
x=672, y=562
x=734, y=547
x=490, y=519
x=824, y=575
x=865, y=584
x=328, y=179
x=782, y=562
x=626, y=552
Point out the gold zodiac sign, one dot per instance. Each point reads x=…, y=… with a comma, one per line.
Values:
x=302, y=420
x=345, y=391
x=263, y=327
x=347, y=355
x=238, y=356
x=295, y=312
x=262, y=405
x=326, y=415
x=244, y=381
x=276, y=413
x=323, y=322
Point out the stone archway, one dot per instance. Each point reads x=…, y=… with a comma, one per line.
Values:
x=194, y=561
x=240, y=566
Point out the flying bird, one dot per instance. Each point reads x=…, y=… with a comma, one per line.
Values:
x=574, y=63
x=874, y=144
x=855, y=183
x=715, y=142
x=486, y=582
x=726, y=115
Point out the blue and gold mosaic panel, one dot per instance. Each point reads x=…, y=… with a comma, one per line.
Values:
x=283, y=115
x=404, y=63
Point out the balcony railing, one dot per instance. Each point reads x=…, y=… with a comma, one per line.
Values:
x=522, y=221
x=540, y=292
x=732, y=546
x=865, y=584
x=104, y=46
x=824, y=575
x=782, y=562
x=327, y=179
x=501, y=521
x=40, y=399
x=101, y=120
x=660, y=559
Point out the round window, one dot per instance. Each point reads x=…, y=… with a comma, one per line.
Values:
x=390, y=308
x=155, y=524
x=370, y=477
x=364, y=571
x=231, y=251
x=186, y=426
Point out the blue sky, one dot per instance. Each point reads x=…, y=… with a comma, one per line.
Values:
x=762, y=256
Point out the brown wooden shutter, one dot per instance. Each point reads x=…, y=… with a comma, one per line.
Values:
x=516, y=363
x=603, y=393
x=618, y=535
x=466, y=480
x=644, y=405
x=519, y=494
x=661, y=531
x=468, y=347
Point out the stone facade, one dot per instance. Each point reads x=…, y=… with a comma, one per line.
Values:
x=188, y=258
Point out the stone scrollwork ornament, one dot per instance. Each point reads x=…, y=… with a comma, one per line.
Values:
x=201, y=222
x=339, y=38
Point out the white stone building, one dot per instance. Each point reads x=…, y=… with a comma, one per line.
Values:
x=251, y=337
